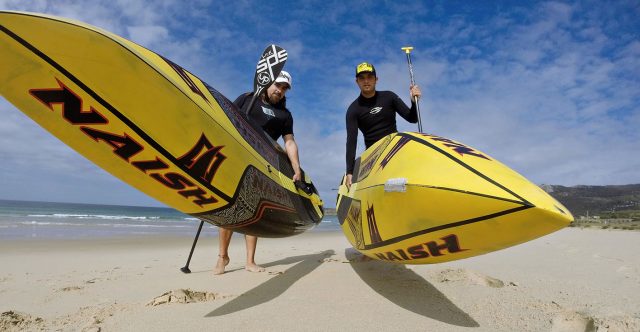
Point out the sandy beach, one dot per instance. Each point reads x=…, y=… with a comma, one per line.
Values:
x=572, y=280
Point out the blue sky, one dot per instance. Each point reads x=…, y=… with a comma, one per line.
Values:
x=551, y=89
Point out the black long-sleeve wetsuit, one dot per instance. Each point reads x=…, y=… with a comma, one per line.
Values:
x=376, y=118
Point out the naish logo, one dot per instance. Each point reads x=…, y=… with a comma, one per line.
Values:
x=196, y=163
x=424, y=250
x=203, y=160
x=375, y=110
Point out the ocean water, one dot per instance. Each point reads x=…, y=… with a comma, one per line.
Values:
x=46, y=220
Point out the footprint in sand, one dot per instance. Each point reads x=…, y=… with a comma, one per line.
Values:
x=185, y=296
x=572, y=322
x=629, y=272
x=469, y=277
x=618, y=323
x=18, y=321
x=572, y=250
x=327, y=260
x=92, y=281
x=70, y=288
x=623, y=269
x=88, y=319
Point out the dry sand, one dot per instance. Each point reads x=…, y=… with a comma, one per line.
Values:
x=572, y=280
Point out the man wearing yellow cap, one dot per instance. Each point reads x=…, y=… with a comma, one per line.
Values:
x=374, y=113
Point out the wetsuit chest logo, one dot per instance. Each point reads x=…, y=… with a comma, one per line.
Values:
x=375, y=110
x=267, y=111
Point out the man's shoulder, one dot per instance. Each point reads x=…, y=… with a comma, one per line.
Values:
x=354, y=103
x=244, y=96
x=387, y=94
x=286, y=110
x=240, y=100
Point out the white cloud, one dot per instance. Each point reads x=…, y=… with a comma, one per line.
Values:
x=148, y=35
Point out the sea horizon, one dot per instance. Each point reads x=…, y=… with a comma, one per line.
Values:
x=21, y=219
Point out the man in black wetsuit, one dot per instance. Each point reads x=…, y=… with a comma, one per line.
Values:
x=269, y=112
x=374, y=113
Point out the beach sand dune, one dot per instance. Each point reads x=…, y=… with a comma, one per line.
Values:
x=572, y=280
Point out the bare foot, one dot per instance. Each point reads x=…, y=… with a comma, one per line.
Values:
x=220, y=265
x=254, y=268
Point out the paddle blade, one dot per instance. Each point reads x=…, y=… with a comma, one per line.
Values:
x=269, y=67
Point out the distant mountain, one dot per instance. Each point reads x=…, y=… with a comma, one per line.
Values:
x=597, y=200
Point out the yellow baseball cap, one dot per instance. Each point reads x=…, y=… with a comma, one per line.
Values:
x=365, y=67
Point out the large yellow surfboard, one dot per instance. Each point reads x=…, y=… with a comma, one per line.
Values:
x=152, y=124
x=420, y=198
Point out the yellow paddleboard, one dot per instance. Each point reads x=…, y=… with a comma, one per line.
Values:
x=152, y=124
x=420, y=199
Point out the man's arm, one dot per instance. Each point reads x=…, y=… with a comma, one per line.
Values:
x=292, y=151
x=352, y=143
x=409, y=114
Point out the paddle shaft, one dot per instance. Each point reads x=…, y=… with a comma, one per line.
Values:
x=407, y=51
x=256, y=93
x=185, y=269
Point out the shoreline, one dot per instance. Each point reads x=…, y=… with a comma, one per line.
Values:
x=315, y=281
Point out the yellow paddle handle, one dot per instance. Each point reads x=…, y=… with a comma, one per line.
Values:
x=407, y=49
